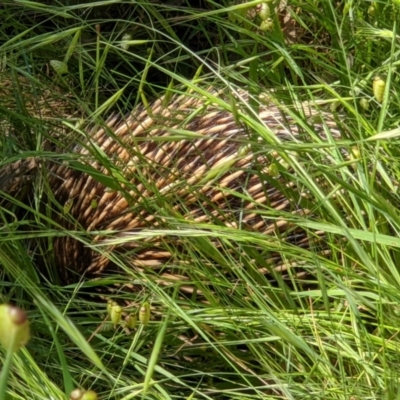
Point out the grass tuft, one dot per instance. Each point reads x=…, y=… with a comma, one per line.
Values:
x=233, y=320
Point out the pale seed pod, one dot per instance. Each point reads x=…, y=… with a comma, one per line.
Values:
x=267, y=25
x=264, y=11
x=144, y=313
x=363, y=83
x=355, y=91
x=364, y=103
x=378, y=87
x=14, y=327
x=131, y=321
x=125, y=41
x=60, y=67
x=283, y=163
x=76, y=394
x=116, y=313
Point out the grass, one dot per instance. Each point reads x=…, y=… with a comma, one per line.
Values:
x=230, y=326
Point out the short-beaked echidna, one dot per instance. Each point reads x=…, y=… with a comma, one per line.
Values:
x=190, y=158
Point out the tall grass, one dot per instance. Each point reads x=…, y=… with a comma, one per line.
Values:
x=229, y=326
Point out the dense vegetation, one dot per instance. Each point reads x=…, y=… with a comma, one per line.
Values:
x=327, y=328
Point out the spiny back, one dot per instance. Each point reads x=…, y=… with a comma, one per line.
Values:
x=183, y=159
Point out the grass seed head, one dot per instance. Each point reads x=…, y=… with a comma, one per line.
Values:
x=144, y=313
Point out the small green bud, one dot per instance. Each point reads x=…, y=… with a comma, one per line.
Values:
x=264, y=12
x=94, y=204
x=334, y=106
x=60, y=67
x=116, y=312
x=244, y=150
x=144, y=313
x=237, y=14
x=67, y=206
x=131, y=321
x=355, y=155
x=89, y=395
x=346, y=8
x=371, y=11
x=14, y=327
x=378, y=87
x=364, y=103
x=267, y=25
x=355, y=152
x=273, y=170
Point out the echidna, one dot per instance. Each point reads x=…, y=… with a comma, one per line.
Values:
x=191, y=150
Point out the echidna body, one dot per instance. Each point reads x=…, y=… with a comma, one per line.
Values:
x=194, y=155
